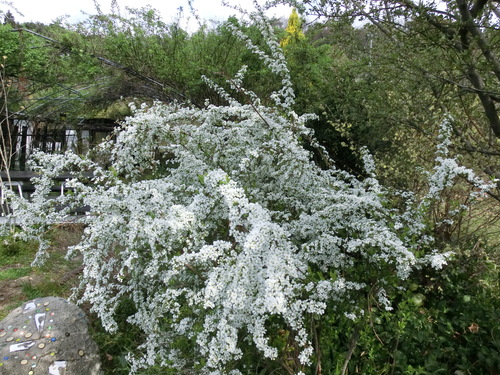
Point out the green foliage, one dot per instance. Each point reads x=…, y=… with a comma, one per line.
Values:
x=445, y=322
x=146, y=59
x=328, y=80
x=47, y=76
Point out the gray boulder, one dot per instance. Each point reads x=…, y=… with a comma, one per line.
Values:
x=47, y=336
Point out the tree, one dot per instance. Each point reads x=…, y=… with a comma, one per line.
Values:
x=293, y=30
x=9, y=19
x=425, y=57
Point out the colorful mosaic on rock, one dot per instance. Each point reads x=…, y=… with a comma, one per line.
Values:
x=47, y=336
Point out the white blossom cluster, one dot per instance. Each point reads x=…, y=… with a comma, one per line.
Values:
x=215, y=222
x=447, y=169
x=274, y=60
x=445, y=174
x=222, y=234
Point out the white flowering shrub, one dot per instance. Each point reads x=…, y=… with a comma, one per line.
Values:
x=452, y=189
x=238, y=226
x=219, y=228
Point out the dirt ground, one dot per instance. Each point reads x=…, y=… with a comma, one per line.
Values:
x=11, y=291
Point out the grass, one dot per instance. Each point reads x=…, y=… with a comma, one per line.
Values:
x=14, y=273
x=44, y=289
x=19, y=281
x=16, y=251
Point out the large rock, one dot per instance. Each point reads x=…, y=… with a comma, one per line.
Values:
x=47, y=336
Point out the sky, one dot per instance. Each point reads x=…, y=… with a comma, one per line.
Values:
x=48, y=10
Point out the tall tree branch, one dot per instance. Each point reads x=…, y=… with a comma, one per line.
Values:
x=477, y=7
x=483, y=43
x=490, y=109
